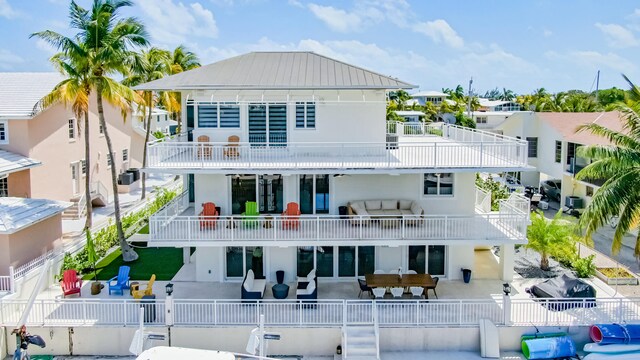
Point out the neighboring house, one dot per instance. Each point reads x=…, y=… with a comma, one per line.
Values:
x=434, y=97
x=490, y=120
x=54, y=138
x=312, y=131
x=28, y=228
x=498, y=105
x=410, y=115
x=552, y=144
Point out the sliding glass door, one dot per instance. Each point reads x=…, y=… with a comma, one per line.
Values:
x=430, y=259
x=241, y=259
x=243, y=189
x=336, y=261
x=314, y=194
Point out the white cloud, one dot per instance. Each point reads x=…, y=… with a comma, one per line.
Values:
x=296, y=3
x=593, y=60
x=337, y=19
x=617, y=35
x=45, y=47
x=7, y=11
x=547, y=33
x=440, y=31
x=9, y=59
x=172, y=22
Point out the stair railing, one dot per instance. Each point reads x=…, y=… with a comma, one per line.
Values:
x=98, y=188
x=82, y=205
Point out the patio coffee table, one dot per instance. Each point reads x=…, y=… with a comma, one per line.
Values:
x=280, y=291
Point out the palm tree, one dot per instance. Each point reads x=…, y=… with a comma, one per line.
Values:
x=181, y=60
x=75, y=91
x=107, y=38
x=619, y=164
x=507, y=95
x=546, y=235
x=151, y=64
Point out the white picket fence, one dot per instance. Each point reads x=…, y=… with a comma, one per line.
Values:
x=324, y=313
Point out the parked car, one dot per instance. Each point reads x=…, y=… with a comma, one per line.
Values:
x=552, y=189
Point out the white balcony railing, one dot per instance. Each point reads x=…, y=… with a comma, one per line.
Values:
x=324, y=312
x=441, y=146
x=334, y=230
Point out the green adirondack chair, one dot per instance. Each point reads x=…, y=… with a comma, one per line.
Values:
x=250, y=214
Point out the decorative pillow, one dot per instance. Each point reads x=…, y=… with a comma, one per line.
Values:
x=406, y=204
x=389, y=205
x=373, y=204
x=357, y=209
x=416, y=209
x=311, y=286
x=312, y=274
x=248, y=282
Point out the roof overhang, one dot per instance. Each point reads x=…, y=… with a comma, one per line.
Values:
x=11, y=162
x=151, y=87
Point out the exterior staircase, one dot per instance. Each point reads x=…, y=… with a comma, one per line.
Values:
x=360, y=342
x=99, y=197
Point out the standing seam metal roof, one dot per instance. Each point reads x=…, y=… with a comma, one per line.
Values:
x=21, y=91
x=277, y=70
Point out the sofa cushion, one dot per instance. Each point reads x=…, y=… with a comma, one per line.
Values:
x=373, y=205
x=311, y=287
x=376, y=212
x=248, y=281
x=389, y=204
x=405, y=204
x=406, y=212
x=358, y=203
x=416, y=209
x=394, y=212
x=359, y=210
x=259, y=285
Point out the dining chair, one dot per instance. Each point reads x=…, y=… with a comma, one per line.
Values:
x=363, y=288
x=397, y=292
x=378, y=293
x=412, y=272
x=435, y=283
x=393, y=272
x=416, y=291
x=379, y=272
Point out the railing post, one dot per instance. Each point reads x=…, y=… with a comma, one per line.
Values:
x=12, y=280
x=435, y=154
x=481, y=153
x=169, y=311
x=506, y=306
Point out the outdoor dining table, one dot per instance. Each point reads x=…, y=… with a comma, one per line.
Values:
x=393, y=280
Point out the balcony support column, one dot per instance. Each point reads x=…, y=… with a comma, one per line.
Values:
x=186, y=255
x=507, y=254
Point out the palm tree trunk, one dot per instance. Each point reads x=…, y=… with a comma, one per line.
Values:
x=128, y=254
x=146, y=140
x=544, y=262
x=87, y=179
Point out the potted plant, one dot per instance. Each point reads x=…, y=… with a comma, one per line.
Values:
x=96, y=286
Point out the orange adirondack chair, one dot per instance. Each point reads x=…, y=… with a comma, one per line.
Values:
x=204, y=150
x=208, y=216
x=232, y=148
x=292, y=216
x=70, y=283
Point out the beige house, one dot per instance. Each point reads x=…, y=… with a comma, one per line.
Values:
x=54, y=139
x=28, y=228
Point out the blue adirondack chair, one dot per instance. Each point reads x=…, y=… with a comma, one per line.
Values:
x=121, y=282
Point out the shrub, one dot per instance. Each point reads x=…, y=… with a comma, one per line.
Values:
x=584, y=267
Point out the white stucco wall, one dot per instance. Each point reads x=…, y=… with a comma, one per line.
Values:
x=213, y=188
x=345, y=116
x=281, y=258
x=209, y=263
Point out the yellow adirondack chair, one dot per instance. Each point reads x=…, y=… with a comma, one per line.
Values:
x=138, y=294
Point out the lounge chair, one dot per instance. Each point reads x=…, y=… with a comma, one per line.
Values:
x=291, y=216
x=204, y=150
x=309, y=292
x=252, y=288
x=250, y=214
x=208, y=216
x=138, y=294
x=121, y=282
x=231, y=149
x=70, y=283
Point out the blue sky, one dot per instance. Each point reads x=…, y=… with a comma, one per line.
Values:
x=521, y=45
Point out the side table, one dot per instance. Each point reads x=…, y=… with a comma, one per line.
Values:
x=280, y=291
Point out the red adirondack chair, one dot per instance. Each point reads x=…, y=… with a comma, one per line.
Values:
x=291, y=216
x=70, y=283
x=208, y=216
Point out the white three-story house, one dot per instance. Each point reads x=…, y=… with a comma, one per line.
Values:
x=274, y=128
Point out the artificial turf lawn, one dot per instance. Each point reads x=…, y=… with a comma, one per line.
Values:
x=144, y=230
x=164, y=262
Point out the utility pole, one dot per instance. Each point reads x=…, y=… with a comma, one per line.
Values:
x=469, y=102
x=597, y=84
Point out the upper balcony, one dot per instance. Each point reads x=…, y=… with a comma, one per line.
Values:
x=408, y=148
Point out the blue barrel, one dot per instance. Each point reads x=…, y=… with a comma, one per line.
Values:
x=466, y=275
x=549, y=348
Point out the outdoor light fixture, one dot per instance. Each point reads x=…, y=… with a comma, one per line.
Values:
x=506, y=288
x=169, y=289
